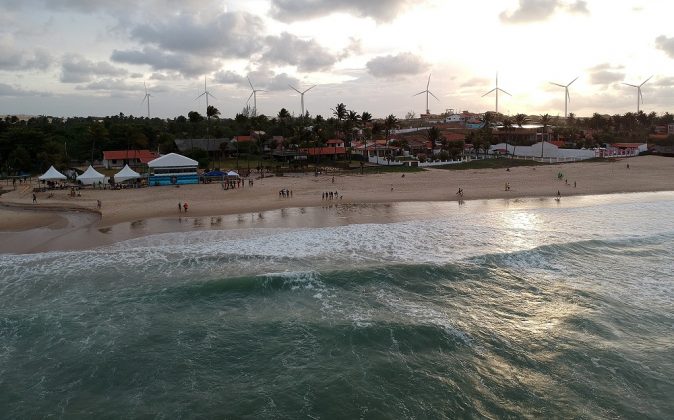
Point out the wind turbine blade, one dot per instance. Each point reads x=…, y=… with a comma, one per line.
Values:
x=251, y=95
x=309, y=89
x=504, y=92
x=145, y=88
x=144, y=98
x=493, y=90
x=423, y=91
x=557, y=84
x=568, y=96
x=250, y=83
x=295, y=89
x=200, y=96
x=429, y=82
x=433, y=95
x=645, y=81
x=209, y=94
x=635, y=86
x=641, y=97
x=571, y=82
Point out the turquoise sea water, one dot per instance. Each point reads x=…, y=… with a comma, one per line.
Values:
x=487, y=309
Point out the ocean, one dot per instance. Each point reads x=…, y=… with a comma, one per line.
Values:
x=487, y=309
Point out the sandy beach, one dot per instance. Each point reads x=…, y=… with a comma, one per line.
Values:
x=645, y=173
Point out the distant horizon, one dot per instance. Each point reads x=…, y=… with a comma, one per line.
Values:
x=66, y=58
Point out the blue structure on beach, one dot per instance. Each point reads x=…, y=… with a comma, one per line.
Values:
x=173, y=169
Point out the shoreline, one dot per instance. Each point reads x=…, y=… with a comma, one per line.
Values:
x=18, y=215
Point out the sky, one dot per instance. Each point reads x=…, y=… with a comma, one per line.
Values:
x=95, y=57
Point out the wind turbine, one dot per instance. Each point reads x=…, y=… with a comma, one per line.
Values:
x=496, y=89
x=206, y=93
x=427, y=92
x=302, y=95
x=567, y=97
x=254, y=96
x=640, y=97
x=146, y=98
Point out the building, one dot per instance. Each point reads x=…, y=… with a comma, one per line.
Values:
x=133, y=158
x=173, y=169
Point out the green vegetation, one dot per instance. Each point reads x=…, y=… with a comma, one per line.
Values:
x=500, y=163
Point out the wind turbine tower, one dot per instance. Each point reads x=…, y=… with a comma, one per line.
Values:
x=206, y=93
x=146, y=98
x=567, y=97
x=254, y=96
x=496, y=90
x=427, y=92
x=302, y=95
x=640, y=97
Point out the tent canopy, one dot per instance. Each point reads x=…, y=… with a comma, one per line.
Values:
x=172, y=160
x=90, y=176
x=215, y=173
x=51, y=175
x=125, y=174
x=232, y=173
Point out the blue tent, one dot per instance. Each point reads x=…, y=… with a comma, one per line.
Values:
x=215, y=173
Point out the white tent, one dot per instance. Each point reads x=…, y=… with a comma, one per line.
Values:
x=232, y=173
x=173, y=160
x=125, y=174
x=90, y=176
x=52, y=175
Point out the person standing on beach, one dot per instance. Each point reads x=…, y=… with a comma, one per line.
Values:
x=34, y=199
x=185, y=206
x=98, y=204
x=180, y=207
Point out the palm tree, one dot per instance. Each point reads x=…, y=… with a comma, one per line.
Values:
x=340, y=113
x=521, y=119
x=545, y=122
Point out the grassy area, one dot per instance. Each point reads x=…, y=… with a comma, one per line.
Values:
x=499, y=163
x=388, y=169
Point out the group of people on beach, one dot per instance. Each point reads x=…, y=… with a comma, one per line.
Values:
x=330, y=195
x=285, y=193
x=182, y=207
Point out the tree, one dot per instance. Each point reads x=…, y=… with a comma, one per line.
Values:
x=507, y=127
x=194, y=117
x=433, y=135
x=521, y=119
x=410, y=115
x=212, y=112
x=389, y=124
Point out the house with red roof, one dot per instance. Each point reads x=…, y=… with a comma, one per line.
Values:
x=133, y=158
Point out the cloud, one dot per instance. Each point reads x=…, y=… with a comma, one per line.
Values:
x=77, y=69
x=306, y=55
x=186, y=64
x=114, y=85
x=379, y=10
x=530, y=11
x=228, y=35
x=476, y=82
x=579, y=7
x=12, y=59
x=8, y=90
x=262, y=78
x=401, y=64
x=665, y=44
x=604, y=74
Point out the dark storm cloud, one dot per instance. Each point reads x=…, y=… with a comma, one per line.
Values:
x=77, y=69
x=604, y=74
x=307, y=55
x=184, y=63
x=379, y=10
x=530, y=11
x=402, y=64
x=665, y=44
